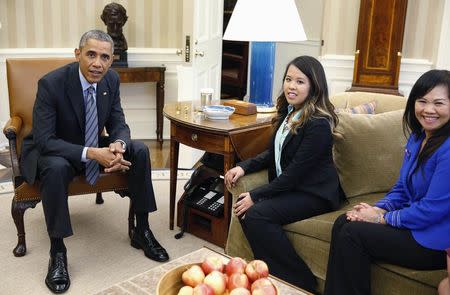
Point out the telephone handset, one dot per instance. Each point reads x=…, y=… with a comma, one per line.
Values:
x=206, y=196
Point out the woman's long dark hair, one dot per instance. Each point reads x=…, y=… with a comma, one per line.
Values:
x=411, y=124
x=317, y=103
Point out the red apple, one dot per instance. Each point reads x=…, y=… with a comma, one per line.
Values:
x=240, y=291
x=236, y=264
x=216, y=280
x=203, y=289
x=260, y=282
x=257, y=269
x=237, y=280
x=212, y=263
x=265, y=290
x=186, y=290
x=193, y=276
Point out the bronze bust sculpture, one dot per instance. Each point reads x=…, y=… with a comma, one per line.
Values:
x=115, y=16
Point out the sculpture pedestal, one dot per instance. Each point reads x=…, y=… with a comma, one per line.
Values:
x=120, y=59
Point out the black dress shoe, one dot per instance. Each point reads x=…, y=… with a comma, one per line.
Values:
x=57, y=279
x=150, y=245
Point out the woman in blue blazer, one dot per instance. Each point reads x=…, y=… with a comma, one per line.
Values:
x=303, y=181
x=410, y=226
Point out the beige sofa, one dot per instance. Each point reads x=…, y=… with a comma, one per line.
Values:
x=368, y=152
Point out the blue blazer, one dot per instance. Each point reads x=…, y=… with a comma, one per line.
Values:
x=420, y=201
x=59, y=118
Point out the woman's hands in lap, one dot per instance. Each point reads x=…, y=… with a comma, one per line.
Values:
x=243, y=203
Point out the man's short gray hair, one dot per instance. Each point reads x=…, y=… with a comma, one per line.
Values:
x=97, y=35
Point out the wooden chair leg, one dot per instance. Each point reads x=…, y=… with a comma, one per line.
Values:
x=99, y=199
x=131, y=220
x=17, y=212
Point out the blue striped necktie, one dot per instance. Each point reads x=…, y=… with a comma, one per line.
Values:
x=91, y=135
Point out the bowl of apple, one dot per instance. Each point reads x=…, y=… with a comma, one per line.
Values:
x=214, y=276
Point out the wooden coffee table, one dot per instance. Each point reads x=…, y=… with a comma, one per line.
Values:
x=145, y=283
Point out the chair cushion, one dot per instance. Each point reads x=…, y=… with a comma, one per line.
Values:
x=117, y=181
x=368, y=151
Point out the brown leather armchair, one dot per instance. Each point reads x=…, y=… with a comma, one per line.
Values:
x=23, y=75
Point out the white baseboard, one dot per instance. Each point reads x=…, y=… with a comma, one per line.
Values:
x=165, y=174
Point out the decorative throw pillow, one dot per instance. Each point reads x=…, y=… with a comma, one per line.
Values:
x=365, y=108
x=368, y=151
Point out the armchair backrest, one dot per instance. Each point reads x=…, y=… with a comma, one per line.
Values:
x=23, y=75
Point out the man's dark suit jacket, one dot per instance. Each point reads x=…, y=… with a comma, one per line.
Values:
x=306, y=163
x=59, y=118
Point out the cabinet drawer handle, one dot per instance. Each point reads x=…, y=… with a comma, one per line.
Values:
x=194, y=137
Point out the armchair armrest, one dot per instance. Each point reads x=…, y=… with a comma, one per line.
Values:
x=248, y=182
x=12, y=127
x=237, y=244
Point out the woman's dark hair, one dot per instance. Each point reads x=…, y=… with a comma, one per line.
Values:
x=411, y=124
x=317, y=103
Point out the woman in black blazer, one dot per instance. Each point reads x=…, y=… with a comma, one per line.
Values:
x=303, y=181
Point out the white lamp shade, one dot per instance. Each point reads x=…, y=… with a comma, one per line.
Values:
x=265, y=21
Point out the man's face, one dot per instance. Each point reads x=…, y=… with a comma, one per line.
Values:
x=95, y=59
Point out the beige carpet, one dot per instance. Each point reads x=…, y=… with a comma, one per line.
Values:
x=99, y=252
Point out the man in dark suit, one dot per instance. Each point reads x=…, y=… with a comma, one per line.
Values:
x=73, y=105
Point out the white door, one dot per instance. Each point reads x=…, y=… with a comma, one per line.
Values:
x=202, y=27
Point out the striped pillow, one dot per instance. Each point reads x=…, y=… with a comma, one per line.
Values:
x=365, y=108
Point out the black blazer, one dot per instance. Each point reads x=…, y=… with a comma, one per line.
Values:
x=59, y=118
x=306, y=162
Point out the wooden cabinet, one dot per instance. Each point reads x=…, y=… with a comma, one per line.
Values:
x=379, y=46
x=234, y=61
x=234, y=68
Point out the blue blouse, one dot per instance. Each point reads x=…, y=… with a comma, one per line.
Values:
x=420, y=201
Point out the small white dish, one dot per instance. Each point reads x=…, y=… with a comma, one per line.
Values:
x=218, y=112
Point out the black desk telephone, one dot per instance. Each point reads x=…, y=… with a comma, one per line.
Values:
x=204, y=192
x=206, y=196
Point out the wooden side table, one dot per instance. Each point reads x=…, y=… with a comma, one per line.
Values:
x=148, y=74
x=225, y=137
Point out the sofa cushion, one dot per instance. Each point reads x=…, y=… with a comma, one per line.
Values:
x=319, y=227
x=368, y=151
x=385, y=102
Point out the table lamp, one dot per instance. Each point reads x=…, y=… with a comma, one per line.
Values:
x=264, y=22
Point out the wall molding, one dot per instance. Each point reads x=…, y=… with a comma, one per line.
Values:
x=138, y=106
x=339, y=71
